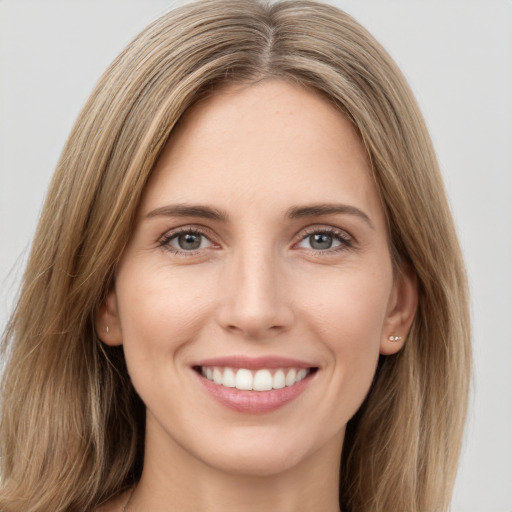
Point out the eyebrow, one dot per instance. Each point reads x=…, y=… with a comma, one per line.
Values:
x=186, y=210
x=328, y=209
x=297, y=212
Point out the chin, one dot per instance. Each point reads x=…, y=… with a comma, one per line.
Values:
x=264, y=453
x=258, y=464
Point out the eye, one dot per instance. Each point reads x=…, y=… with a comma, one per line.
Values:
x=186, y=241
x=325, y=240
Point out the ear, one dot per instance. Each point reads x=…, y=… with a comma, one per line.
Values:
x=108, y=325
x=402, y=307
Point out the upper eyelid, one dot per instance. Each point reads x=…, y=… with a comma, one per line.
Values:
x=326, y=229
x=309, y=230
x=188, y=228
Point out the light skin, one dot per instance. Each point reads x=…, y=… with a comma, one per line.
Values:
x=292, y=261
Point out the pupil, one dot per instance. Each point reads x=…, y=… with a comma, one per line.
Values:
x=320, y=241
x=189, y=241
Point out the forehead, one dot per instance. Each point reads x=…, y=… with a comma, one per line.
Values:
x=267, y=141
x=268, y=114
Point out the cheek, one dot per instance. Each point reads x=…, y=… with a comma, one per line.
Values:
x=160, y=311
x=349, y=307
x=348, y=321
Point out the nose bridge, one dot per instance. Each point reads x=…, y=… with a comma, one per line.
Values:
x=256, y=301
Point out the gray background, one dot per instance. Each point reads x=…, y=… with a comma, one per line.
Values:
x=457, y=56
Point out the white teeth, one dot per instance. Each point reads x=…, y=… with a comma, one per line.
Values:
x=301, y=374
x=229, y=378
x=217, y=376
x=243, y=379
x=290, y=377
x=260, y=380
x=278, y=381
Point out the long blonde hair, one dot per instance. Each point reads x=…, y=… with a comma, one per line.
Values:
x=72, y=427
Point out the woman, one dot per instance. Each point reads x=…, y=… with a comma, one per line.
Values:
x=245, y=291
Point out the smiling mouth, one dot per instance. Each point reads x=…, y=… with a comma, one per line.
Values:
x=264, y=379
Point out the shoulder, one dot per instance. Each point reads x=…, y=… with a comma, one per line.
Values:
x=115, y=504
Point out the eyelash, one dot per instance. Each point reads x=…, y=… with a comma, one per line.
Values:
x=168, y=237
x=346, y=242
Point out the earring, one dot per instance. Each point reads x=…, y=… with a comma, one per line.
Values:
x=395, y=338
x=107, y=329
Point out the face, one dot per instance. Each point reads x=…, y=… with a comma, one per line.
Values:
x=259, y=260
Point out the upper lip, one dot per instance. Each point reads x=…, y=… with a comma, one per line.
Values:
x=254, y=363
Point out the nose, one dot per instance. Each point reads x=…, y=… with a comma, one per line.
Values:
x=256, y=297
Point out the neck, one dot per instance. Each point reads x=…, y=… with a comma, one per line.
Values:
x=173, y=480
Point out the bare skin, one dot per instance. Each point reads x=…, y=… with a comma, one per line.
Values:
x=116, y=504
x=260, y=234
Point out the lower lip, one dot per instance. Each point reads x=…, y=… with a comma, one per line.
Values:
x=254, y=402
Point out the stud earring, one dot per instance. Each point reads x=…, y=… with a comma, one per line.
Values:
x=107, y=329
x=395, y=338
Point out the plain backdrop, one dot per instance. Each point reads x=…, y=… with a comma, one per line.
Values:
x=457, y=56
